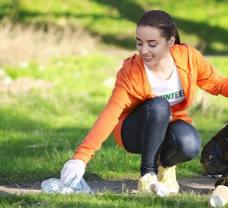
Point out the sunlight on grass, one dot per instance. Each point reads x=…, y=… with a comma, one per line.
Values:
x=105, y=200
x=114, y=23
x=46, y=126
x=49, y=104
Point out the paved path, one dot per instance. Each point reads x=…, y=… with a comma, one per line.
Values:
x=197, y=185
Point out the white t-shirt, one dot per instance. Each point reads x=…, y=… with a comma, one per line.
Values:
x=170, y=89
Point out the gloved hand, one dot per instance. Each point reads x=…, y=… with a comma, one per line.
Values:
x=72, y=170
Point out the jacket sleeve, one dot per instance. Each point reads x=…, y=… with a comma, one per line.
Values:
x=207, y=77
x=104, y=124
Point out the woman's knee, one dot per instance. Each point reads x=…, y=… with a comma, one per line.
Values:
x=157, y=107
x=189, y=147
x=187, y=140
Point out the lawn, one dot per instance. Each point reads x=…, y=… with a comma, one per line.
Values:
x=113, y=21
x=47, y=108
x=40, y=128
x=106, y=200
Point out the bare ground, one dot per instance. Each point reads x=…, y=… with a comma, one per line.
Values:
x=200, y=185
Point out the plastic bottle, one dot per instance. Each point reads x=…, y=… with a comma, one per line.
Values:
x=54, y=185
x=80, y=186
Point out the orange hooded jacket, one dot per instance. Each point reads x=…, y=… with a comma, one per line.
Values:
x=132, y=88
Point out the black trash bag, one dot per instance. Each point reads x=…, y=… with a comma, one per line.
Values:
x=214, y=156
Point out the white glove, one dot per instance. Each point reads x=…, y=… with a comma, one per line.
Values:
x=72, y=170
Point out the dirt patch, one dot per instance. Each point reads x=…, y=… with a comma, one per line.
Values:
x=24, y=43
x=200, y=185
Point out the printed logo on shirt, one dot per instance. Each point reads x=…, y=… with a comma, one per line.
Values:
x=174, y=97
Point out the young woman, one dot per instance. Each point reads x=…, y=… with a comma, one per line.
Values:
x=147, y=108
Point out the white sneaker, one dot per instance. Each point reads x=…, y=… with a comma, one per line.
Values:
x=149, y=184
x=168, y=177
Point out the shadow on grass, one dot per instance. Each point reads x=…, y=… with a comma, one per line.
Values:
x=5, y=9
x=32, y=150
x=130, y=11
x=133, y=11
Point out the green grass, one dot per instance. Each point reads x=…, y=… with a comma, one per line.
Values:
x=114, y=20
x=105, y=200
x=40, y=129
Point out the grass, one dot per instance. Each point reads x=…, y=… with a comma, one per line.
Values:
x=105, y=200
x=50, y=122
x=40, y=118
x=41, y=124
x=114, y=21
x=40, y=129
x=41, y=45
x=45, y=125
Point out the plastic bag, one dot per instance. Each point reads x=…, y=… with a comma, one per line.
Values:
x=214, y=156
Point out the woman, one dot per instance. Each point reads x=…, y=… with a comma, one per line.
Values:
x=147, y=108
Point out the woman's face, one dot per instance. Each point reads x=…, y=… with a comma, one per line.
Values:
x=151, y=45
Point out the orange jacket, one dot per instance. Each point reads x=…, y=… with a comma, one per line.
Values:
x=132, y=88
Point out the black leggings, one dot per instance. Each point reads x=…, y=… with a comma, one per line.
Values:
x=148, y=131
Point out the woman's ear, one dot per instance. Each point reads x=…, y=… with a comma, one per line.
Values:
x=171, y=41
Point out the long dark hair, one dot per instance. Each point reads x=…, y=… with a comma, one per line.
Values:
x=162, y=21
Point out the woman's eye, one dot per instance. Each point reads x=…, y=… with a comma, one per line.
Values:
x=153, y=46
x=150, y=45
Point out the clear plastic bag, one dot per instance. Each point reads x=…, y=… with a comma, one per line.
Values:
x=54, y=185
